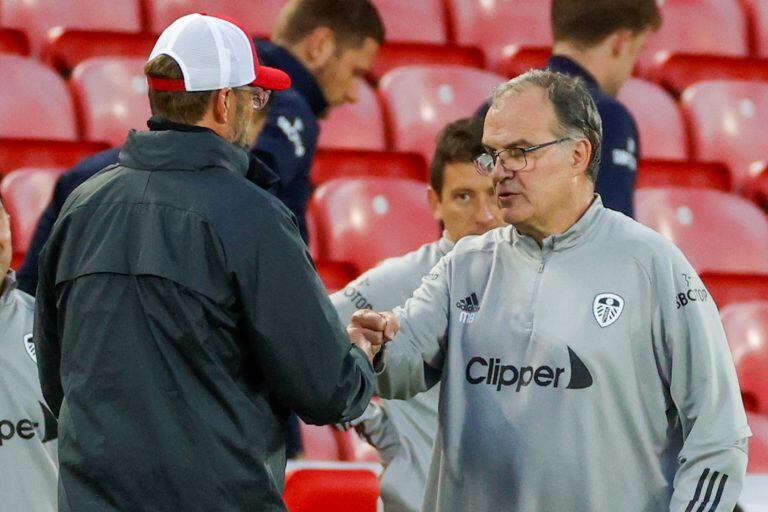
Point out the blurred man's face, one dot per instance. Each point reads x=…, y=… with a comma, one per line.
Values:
x=531, y=197
x=467, y=204
x=625, y=61
x=340, y=77
x=6, y=252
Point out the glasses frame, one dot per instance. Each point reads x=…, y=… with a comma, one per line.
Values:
x=480, y=168
x=259, y=95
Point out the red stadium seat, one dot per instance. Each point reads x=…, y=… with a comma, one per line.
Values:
x=494, y=25
x=516, y=60
x=257, y=17
x=112, y=96
x=757, y=14
x=36, y=103
x=727, y=123
x=358, y=125
x=68, y=48
x=13, y=41
x=37, y=17
x=26, y=192
x=756, y=187
x=335, y=274
x=659, y=121
x=421, y=100
x=676, y=71
x=331, y=490
x=319, y=442
x=746, y=326
x=689, y=174
x=717, y=231
x=350, y=163
x=758, y=443
x=416, y=22
x=354, y=449
x=15, y=153
x=716, y=27
x=395, y=55
x=729, y=288
x=365, y=220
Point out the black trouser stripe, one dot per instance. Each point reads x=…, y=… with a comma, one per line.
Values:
x=698, y=490
x=719, y=495
x=709, y=492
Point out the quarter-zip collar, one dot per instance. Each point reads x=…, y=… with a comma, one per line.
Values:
x=445, y=244
x=564, y=241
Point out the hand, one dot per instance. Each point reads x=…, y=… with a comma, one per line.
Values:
x=370, y=330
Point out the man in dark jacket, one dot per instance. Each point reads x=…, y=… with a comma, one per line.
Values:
x=327, y=47
x=599, y=41
x=166, y=330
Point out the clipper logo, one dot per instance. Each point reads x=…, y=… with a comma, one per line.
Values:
x=29, y=344
x=607, y=308
x=691, y=295
x=293, y=130
x=469, y=307
x=492, y=372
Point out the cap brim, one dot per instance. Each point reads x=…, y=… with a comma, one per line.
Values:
x=272, y=78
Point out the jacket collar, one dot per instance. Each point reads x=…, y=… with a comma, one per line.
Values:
x=564, y=241
x=303, y=81
x=180, y=147
x=9, y=284
x=445, y=244
x=570, y=67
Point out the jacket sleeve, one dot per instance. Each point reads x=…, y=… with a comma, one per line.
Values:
x=413, y=361
x=303, y=351
x=699, y=372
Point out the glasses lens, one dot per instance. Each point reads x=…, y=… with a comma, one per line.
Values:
x=484, y=164
x=514, y=159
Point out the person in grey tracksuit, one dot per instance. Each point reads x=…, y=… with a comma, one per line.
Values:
x=403, y=432
x=583, y=363
x=28, y=429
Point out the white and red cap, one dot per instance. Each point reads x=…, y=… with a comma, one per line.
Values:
x=213, y=52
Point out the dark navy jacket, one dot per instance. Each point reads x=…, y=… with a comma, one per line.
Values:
x=621, y=147
x=289, y=139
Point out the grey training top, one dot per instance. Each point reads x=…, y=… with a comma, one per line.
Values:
x=28, y=446
x=402, y=431
x=590, y=374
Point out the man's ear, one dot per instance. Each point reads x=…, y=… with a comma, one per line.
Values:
x=222, y=105
x=319, y=46
x=621, y=41
x=435, y=206
x=582, y=152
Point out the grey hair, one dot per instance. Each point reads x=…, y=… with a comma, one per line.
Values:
x=575, y=109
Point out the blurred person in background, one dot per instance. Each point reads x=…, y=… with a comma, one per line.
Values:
x=600, y=41
x=403, y=432
x=576, y=374
x=165, y=327
x=28, y=429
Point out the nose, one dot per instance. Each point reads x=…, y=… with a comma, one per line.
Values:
x=484, y=215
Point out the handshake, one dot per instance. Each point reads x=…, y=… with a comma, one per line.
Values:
x=369, y=330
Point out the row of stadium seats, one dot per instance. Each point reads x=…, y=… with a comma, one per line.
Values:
x=741, y=25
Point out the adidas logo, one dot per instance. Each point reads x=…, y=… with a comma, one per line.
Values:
x=469, y=306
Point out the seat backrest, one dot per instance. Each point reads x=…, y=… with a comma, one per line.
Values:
x=727, y=123
x=37, y=17
x=756, y=187
x=494, y=25
x=330, y=164
x=358, y=125
x=37, y=104
x=717, y=27
x=26, y=192
x=757, y=11
x=416, y=22
x=654, y=173
x=516, y=60
x=70, y=47
x=13, y=40
x=717, y=231
x=731, y=288
x=112, y=94
x=758, y=444
x=365, y=220
x=395, y=55
x=331, y=490
x=420, y=100
x=659, y=120
x=16, y=153
x=258, y=18
x=676, y=71
x=319, y=442
x=746, y=327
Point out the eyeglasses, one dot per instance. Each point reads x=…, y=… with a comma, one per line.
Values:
x=514, y=161
x=259, y=96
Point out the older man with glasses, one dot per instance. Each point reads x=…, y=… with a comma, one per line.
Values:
x=571, y=377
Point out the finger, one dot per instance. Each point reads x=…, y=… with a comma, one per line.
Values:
x=391, y=325
x=356, y=334
x=368, y=319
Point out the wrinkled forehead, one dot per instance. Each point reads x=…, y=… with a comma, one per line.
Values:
x=517, y=116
